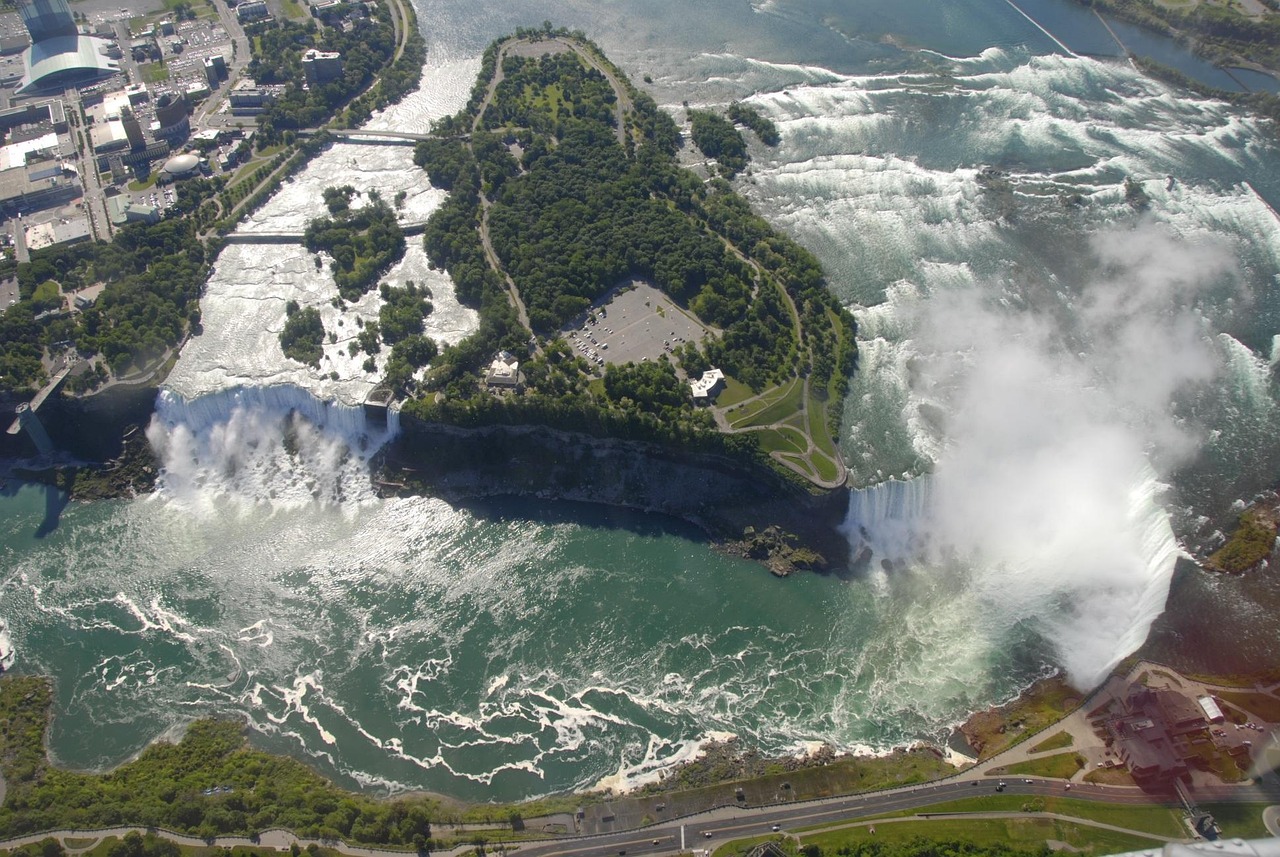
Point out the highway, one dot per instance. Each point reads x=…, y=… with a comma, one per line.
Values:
x=733, y=823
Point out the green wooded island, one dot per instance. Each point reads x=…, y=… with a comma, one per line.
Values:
x=619, y=293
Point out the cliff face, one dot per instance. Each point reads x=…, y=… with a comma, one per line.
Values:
x=721, y=496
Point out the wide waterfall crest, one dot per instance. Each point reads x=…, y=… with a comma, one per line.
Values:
x=277, y=444
x=889, y=520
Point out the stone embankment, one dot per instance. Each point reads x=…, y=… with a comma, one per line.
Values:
x=720, y=496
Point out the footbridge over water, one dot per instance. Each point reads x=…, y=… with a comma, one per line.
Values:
x=366, y=135
x=417, y=227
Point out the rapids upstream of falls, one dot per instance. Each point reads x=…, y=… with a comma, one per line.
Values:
x=1052, y=384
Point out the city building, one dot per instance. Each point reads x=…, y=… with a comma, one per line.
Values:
x=59, y=56
x=13, y=43
x=180, y=167
x=36, y=185
x=108, y=136
x=320, y=67
x=1155, y=731
x=249, y=99
x=171, y=116
x=706, y=388
x=1212, y=712
x=123, y=210
x=254, y=10
x=132, y=128
x=144, y=48
x=65, y=231
x=52, y=113
x=47, y=19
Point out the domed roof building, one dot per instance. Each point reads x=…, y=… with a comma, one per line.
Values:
x=180, y=166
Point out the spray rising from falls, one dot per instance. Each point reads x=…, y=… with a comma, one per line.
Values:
x=1044, y=493
x=277, y=444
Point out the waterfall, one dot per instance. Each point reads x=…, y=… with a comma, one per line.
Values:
x=275, y=444
x=889, y=519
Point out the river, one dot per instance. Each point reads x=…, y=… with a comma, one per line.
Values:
x=1052, y=385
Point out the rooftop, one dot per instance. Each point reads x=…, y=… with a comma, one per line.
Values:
x=62, y=60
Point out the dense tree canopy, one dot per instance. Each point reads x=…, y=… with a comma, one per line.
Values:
x=211, y=783
x=716, y=137
x=744, y=114
x=302, y=338
x=363, y=242
x=573, y=205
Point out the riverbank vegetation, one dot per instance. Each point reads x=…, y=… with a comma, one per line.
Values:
x=745, y=114
x=563, y=183
x=1220, y=33
x=210, y=783
x=370, y=78
x=154, y=274
x=716, y=138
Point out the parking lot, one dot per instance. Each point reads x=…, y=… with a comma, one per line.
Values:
x=633, y=323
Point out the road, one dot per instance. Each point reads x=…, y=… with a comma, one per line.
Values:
x=732, y=823
x=95, y=201
x=713, y=828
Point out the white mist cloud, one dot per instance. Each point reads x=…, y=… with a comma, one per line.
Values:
x=1045, y=485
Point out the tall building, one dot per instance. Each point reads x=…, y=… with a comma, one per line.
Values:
x=45, y=19
x=132, y=128
x=320, y=67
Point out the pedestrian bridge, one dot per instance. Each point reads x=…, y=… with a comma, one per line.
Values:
x=415, y=228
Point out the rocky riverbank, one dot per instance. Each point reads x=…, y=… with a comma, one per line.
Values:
x=749, y=510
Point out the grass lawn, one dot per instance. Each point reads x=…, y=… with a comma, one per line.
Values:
x=734, y=391
x=1054, y=742
x=799, y=461
x=1028, y=832
x=744, y=414
x=1062, y=766
x=784, y=439
x=293, y=9
x=826, y=467
x=738, y=847
x=1045, y=704
x=101, y=849
x=777, y=411
x=149, y=181
x=1239, y=819
x=154, y=72
x=1257, y=704
x=1160, y=820
x=1109, y=777
x=816, y=411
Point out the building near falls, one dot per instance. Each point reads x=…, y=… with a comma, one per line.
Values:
x=59, y=56
x=706, y=388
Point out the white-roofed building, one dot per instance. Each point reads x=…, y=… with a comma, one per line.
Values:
x=706, y=388
x=60, y=61
x=504, y=371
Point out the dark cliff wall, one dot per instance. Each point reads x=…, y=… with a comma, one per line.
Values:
x=719, y=495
